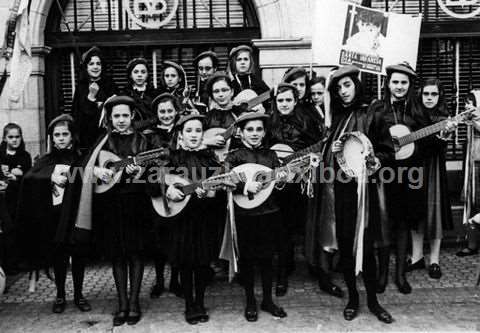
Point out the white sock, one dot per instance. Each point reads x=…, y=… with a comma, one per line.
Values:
x=435, y=251
x=417, y=246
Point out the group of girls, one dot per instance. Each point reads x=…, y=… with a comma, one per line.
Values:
x=122, y=226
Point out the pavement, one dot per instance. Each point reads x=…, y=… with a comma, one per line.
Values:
x=449, y=304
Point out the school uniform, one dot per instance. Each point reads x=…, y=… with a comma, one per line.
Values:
x=143, y=101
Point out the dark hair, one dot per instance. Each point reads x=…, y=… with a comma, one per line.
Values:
x=412, y=105
x=471, y=97
x=7, y=128
x=233, y=61
x=370, y=16
x=214, y=61
x=242, y=124
x=317, y=79
x=131, y=65
x=216, y=79
x=71, y=127
x=297, y=75
x=83, y=76
x=441, y=107
x=336, y=100
x=181, y=75
x=282, y=89
x=172, y=99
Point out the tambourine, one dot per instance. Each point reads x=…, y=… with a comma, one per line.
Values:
x=356, y=153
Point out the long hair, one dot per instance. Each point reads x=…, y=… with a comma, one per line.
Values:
x=182, y=84
x=336, y=102
x=297, y=75
x=232, y=66
x=8, y=127
x=83, y=75
x=441, y=108
x=412, y=105
x=131, y=65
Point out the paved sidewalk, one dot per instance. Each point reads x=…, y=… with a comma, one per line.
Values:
x=449, y=304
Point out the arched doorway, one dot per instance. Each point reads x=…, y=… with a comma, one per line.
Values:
x=122, y=32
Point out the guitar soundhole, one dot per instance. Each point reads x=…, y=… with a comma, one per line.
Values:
x=262, y=177
x=108, y=165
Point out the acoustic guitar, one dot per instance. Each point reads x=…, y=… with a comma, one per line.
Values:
x=251, y=172
x=169, y=208
x=247, y=100
x=111, y=161
x=404, y=139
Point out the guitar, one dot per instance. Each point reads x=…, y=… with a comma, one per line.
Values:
x=286, y=154
x=111, y=161
x=58, y=191
x=251, y=172
x=244, y=100
x=404, y=139
x=169, y=208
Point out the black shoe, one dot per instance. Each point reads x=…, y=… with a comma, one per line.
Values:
x=467, y=252
x=434, y=271
x=82, y=304
x=191, y=315
x=134, y=316
x=281, y=288
x=403, y=287
x=273, y=309
x=120, y=317
x=330, y=288
x=157, y=291
x=351, y=310
x=202, y=314
x=381, y=314
x=251, y=312
x=420, y=264
x=59, y=305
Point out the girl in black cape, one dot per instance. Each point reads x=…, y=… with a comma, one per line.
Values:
x=350, y=114
x=126, y=208
x=241, y=69
x=292, y=128
x=39, y=212
x=140, y=88
x=439, y=214
x=257, y=228
x=15, y=161
x=190, y=245
x=162, y=135
x=93, y=88
x=205, y=65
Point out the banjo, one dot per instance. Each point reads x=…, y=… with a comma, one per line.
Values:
x=404, y=139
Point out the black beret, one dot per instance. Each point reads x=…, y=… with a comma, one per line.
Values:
x=61, y=118
x=294, y=71
x=184, y=119
x=206, y=54
x=403, y=67
x=239, y=48
x=118, y=100
x=349, y=70
x=246, y=116
x=214, y=78
x=163, y=96
x=93, y=51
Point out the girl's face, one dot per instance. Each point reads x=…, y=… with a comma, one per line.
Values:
x=317, y=92
x=253, y=132
x=171, y=77
x=286, y=102
x=430, y=96
x=398, y=85
x=94, y=68
x=121, y=117
x=346, y=90
x=222, y=93
x=301, y=85
x=205, y=68
x=62, y=137
x=242, y=62
x=192, y=134
x=139, y=75
x=13, y=139
x=166, y=113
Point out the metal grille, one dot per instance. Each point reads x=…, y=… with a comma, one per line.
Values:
x=111, y=15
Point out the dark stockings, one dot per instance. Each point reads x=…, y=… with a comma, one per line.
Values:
x=248, y=277
x=60, y=266
x=123, y=267
x=194, y=281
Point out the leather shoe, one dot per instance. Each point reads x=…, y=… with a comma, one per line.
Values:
x=120, y=318
x=251, y=313
x=403, y=287
x=157, y=291
x=331, y=289
x=281, y=288
x=350, y=313
x=82, y=304
x=59, y=305
x=420, y=264
x=381, y=314
x=434, y=271
x=273, y=309
x=191, y=315
x=467, y=252
x=202, y=314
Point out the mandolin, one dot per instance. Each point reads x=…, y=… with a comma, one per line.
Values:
x=251, y=172
x=111, y=161
x=170, y=208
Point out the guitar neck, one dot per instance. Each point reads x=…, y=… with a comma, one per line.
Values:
x=229, y=132
x=311, y=149
x=259, y=99
x=139, y=159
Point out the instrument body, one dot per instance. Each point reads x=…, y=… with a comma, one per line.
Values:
x=404, y=139
x=111, y=161
x=251, y=172
x=169, y=208
x=58, y=191
x=226, y=134
x=357, y=150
